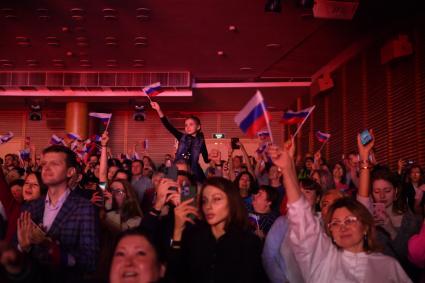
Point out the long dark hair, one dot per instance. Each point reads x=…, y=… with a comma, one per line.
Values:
x=130, y=207
x=253, y=186
x=384, y=173
x=238, y=215
x=43, y=187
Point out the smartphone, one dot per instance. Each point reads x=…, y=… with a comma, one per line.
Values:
x=410, y=162
x=234, y=143
x=378, y=212
x=188, y=192
x=365, y=137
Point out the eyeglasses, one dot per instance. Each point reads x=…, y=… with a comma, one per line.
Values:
x=118, y=192
x=348, y=222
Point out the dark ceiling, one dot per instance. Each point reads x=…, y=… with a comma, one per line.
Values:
x=185, y=35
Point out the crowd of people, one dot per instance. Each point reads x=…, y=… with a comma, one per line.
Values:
x=262, y=218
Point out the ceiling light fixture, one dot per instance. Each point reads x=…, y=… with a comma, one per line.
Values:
x=273, y=6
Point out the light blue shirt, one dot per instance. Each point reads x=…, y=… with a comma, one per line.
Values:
x=51, y=211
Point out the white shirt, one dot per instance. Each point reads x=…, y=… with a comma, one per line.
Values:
x=321, y=261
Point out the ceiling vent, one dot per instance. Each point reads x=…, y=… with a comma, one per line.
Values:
x=58, y=79
x=77, y=14
x=143, y=14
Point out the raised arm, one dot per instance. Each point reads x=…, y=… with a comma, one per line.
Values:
x=284, y=159
x=103, y=166
x=364, y=165
x=176, y=133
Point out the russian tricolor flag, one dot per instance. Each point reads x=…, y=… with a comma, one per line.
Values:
x=104, y=117
x=290, y=117
x=153, y=89
x=322, y=137
x=5, y=138
x=73, y=136
x=56, y=140
x=252, y=118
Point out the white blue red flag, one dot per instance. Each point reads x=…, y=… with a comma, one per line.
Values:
x=290, y=117
x=73, y=136
x=263, y=134
x=56, y=140
x=5, y=138
x=322, y=137
x=104, y=117
x=153, y=89
x=253, y=117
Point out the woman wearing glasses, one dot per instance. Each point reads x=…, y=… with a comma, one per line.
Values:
x=123, y=210
x=344, y=249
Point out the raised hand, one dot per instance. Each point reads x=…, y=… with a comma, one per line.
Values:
x=181, y=214
x=155, y=106
x=283, y=158
x=24, y=230
x=104, y=139
x=364, y=150
x=165, y=194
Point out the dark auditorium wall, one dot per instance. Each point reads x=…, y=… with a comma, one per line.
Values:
x=388, y=98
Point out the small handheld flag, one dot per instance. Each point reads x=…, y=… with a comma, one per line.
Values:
x=55, y=140
x=104, y=117
x=5, y=138
x=253, y=117
x=290, y=117
x=322, y=137
x=152, y=90
x=73, y=136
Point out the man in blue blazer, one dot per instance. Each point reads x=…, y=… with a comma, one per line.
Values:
x=60, y=231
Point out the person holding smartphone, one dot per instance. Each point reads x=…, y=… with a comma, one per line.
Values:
x=219, y=247
x=395, y=222
x=191, y=142
x=344, y=248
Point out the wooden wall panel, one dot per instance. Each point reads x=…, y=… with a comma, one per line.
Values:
x=388, y=98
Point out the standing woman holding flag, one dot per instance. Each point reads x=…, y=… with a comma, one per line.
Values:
x=191, y=142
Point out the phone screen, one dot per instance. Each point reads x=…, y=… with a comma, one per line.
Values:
x=189, y=192
x=378, y=212
x=365, y=137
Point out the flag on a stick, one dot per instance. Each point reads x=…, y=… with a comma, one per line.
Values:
x=290, y=117
x=322, y=137
x=104, y=117
x=5, y=138
x=253, y=117
x=153, y=89
x=54, y=139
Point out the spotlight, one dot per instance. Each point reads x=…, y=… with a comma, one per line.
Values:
x=35, y=112
x=139, y=113
x=273, y=6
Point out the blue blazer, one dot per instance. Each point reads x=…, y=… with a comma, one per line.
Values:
x=75, y=228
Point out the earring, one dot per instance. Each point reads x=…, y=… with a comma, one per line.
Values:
x=365, y=242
